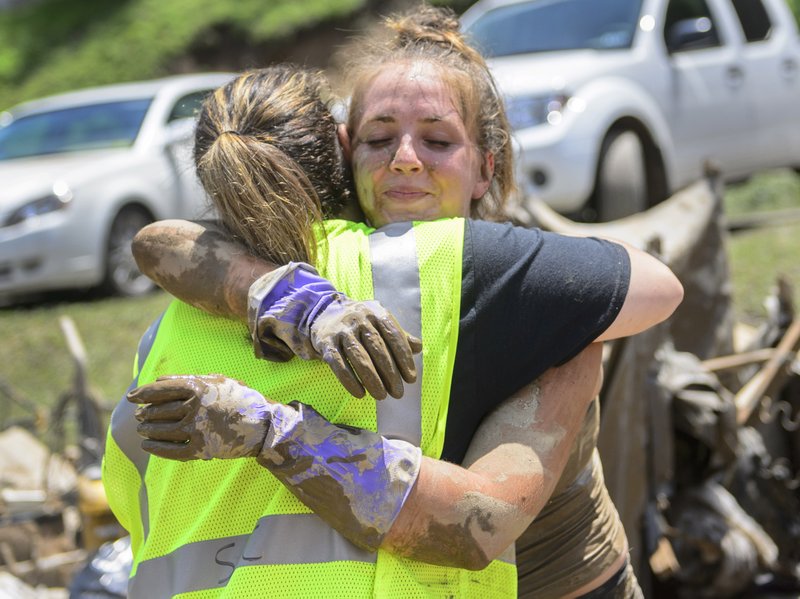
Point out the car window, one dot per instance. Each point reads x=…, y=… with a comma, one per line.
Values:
x=546, y=25
x=187, y=106
x=754, y=19
x=94, y=126
x=689, y=25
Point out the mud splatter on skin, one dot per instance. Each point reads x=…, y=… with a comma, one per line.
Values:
x=582, y=449
x=482, y=509
x=193, y=262
x=450, y=545
x=519, y=416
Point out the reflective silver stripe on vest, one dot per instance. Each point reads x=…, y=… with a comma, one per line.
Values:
x=210, y=564
x=395, y=280
x=123, y=422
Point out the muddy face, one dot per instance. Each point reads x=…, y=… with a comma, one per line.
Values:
x=413, y=158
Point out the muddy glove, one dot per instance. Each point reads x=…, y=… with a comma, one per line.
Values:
x=354, y=479
x=294, y=311
x=200, y=418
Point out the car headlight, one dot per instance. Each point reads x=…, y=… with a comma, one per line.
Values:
x=529, y=111
x=57, y=200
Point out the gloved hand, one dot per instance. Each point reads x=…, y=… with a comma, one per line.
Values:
x=294, y=311
x=354, y=479
x=201, y=417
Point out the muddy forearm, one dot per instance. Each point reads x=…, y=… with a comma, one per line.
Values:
x=467, y=517
x=444, y=515
x=199, y=264
x=461, y=519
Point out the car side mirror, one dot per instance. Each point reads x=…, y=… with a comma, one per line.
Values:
x=691, y=34
x=178, y=132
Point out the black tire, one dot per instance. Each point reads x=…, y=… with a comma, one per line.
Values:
x=122, y=275
x=621, y=188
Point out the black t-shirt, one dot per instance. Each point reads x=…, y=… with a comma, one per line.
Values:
x=530, y=300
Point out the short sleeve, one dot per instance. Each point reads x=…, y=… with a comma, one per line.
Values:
x=531, y=300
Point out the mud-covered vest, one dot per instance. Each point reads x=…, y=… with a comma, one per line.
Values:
x=228, y=528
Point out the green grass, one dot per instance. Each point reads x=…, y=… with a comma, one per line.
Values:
x=58, y=45
x=759, y=256
x=36, y=361
x=37, y=364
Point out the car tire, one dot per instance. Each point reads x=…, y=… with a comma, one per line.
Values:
x=621, y=187
x=122, y=276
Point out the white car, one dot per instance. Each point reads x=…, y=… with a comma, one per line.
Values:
x=82, y=172
x=618, y=103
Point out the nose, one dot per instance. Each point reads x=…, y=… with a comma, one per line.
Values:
x=405, y=159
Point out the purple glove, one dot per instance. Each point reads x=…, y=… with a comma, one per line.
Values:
x=294, y=311
x=354, y=479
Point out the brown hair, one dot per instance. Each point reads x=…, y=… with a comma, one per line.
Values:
x=432, y=35
x=267, y=154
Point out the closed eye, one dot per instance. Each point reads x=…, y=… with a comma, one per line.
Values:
x=378, y=142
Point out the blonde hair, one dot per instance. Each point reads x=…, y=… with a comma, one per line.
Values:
x=432, y=35
x=267, y=154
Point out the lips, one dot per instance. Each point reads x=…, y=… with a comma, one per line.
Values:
x=405, y=194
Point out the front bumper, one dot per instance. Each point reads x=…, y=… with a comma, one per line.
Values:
x=47, y=253
x=556, y=165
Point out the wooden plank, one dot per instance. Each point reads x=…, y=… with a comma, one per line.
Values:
x=738, y=360
x=750, y=395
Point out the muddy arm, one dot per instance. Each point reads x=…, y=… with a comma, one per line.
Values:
x=379, y=492
x=199, y=264
x=466, y=517
x=363, y=344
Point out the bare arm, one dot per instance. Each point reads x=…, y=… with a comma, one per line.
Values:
x=466, y=517
x=654, y=293
x=199, y=264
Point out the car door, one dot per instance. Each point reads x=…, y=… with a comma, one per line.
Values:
x=771, y=57
x=708, y=109
x=192, y=200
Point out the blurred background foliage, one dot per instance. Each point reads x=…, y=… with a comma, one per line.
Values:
x=51, y=46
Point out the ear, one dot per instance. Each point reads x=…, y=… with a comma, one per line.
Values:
x=344, y=141
x=485, y=178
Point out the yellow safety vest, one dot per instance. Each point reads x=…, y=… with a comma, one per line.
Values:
x=228, y=528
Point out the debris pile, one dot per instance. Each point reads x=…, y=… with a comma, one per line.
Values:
x=53, y=512
x=700, y=433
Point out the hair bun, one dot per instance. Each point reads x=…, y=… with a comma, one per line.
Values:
x=428, y=24
x=442, y=19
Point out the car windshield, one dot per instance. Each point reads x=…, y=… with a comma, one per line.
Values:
x=547, y=25
x=95, y=126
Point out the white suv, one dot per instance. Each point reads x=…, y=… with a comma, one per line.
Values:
x=618, y=103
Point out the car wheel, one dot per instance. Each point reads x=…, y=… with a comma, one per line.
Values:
x=122, y=274
x=621, y=187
